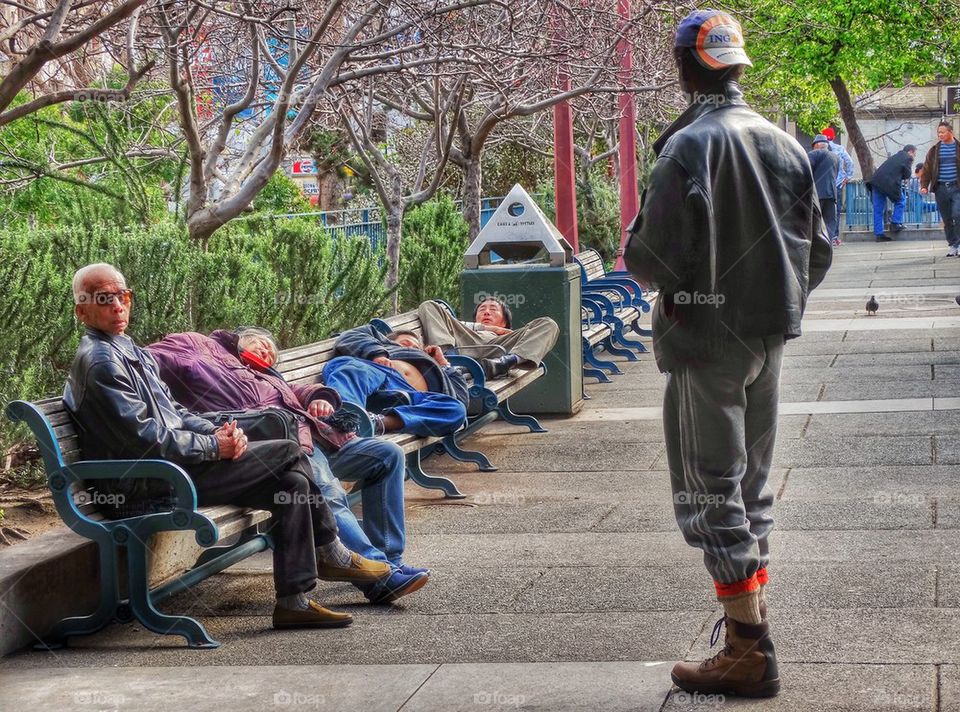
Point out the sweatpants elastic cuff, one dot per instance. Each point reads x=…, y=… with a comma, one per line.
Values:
x=737, y=588
x=762, y=577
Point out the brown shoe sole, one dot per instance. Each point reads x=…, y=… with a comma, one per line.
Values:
x=767, y=688
x=315, y=623
x=351, y=575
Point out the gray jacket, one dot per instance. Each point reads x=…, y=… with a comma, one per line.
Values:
x=729, y=230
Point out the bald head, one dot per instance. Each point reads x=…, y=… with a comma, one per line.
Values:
x=87, y=278
x=101, y=298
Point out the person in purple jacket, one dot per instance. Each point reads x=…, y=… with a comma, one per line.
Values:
x=233, y=370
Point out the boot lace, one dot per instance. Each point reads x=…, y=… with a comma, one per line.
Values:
x=714, y=637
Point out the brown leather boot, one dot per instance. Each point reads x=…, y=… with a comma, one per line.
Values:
x=746, y=667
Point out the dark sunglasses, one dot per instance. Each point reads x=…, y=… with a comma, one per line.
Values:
x=124, y=296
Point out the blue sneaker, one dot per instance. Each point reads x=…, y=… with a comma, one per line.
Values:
x=398, y=584
x=411, y=570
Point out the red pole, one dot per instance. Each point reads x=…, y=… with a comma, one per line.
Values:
x=565, y=187
x=629, y=204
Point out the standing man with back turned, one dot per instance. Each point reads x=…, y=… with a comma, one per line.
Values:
x=734, y=262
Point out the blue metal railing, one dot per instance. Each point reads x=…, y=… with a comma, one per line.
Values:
x=368, y=222
x=921, y=210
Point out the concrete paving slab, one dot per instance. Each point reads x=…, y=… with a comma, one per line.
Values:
x=909, y=357
x=377, y=688
x=559, y=687
x=860, y=635
x=949, y=687
x=913, y=422
x=637, y=548
x=397, y=639
x=889, y=390
x=872, y=484
x=903, y=372
x=853, y=451
x=833, y=687
x=567, y=454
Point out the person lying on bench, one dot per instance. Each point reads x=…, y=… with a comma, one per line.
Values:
x=234, y=371
x=409, y=386
x=123, y=410
x=492, y=327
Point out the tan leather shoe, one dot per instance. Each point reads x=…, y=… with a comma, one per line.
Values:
x=360, y=570
x=746, y=667
x=316, y=616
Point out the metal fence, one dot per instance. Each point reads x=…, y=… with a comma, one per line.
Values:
x=369, y=222
x=921, y=210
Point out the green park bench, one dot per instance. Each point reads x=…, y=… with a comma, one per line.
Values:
x=227, y=534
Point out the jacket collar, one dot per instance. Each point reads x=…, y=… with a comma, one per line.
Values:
x=730, y=95
x=227, y=339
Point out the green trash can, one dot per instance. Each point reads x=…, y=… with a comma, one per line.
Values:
x=521, y=258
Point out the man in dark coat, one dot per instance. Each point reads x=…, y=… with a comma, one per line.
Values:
x=887, y=183
x=730, y=231
x=826, y=166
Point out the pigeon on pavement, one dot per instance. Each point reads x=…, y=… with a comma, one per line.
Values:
x=872, y=306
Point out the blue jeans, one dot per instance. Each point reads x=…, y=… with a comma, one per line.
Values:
x=430, y=414
x=880, y=207
x=380, y=467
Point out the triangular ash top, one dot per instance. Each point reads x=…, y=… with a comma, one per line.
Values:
x=518, y=231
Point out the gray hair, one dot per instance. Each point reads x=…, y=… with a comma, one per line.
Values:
x=245, y=332
x=82, y=275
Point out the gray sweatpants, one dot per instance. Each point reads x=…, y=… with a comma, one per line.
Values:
x=720, y=424
x=531, y=342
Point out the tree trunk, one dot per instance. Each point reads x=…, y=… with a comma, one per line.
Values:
x=849, y=116
x=203, y=223
x=472, y=177
x=394, y=234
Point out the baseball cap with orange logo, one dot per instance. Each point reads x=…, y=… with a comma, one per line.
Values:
x=715, y=38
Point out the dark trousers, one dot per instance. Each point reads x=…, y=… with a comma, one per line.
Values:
x=828, y=208
x=276, y=476
x=948, y=203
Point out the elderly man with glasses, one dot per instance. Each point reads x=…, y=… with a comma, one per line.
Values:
x=124, y=411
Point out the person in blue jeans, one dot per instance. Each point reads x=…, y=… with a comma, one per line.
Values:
x=409, y=386
x=887, y=183
x=234, y=371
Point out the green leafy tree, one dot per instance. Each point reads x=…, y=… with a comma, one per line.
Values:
x=805, y=50
x=431, y=254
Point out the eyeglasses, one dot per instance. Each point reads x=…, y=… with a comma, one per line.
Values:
x=124, y=296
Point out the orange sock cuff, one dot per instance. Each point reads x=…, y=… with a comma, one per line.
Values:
x=739, y=587
x=762, y=577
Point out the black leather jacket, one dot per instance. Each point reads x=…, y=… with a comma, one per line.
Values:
x=123, y=409
x=729, y=230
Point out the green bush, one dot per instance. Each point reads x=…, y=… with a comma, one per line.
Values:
x=291, y=277
x=598, y=214
x=431, y=253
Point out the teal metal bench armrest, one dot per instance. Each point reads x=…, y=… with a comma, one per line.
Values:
x=478, y=389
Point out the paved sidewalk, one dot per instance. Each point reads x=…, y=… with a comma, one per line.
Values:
x=562, y=582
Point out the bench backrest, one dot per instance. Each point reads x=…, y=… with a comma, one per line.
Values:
x=591, y=265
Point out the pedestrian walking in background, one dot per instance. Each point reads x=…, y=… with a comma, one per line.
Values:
x=826, y=166
x=886, y=183
x=844, y=176
x=940, y=176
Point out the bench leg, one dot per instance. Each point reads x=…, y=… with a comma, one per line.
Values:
x=514, y=419
x=590, y=357
x=621, y=338
x=106, y=611
x=641, y=331
x=415, y=472
x=458, y=453
x=610, y=348
x=141, y=604
x=596, y=373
